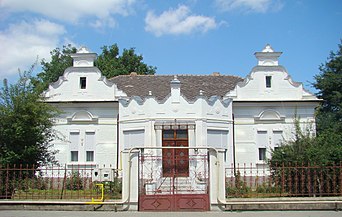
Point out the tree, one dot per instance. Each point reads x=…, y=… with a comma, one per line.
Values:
x=112, y=64
x=26, y=124
x=329, y=84
x=109, y=62
x=307, y=165
x=325, y=150
x=327, y=146
x=60, y=60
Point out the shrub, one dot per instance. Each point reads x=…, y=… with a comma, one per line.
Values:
x=74, y=182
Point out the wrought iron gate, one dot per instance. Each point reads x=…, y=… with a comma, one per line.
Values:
x=172, y=190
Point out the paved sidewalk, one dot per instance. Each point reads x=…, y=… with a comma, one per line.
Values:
x=22, y=213
x=284, y=203
x=237, y=204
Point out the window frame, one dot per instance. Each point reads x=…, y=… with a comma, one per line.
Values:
x=268, y=80
x=83, y=83
x=92, y=156
x=72, y=155
x=177, y=134
x=262, y=155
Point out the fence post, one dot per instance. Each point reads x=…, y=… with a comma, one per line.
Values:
x=7, y=180
x=289, y=178
x=283, y=178
x=340, y=169
x=334, y=179
x=302, y=179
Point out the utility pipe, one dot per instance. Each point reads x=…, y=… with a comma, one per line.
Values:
x=234, y=155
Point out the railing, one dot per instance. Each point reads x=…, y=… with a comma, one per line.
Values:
x=286, y=180
x=155, y=180
x=29, y=182
x=24, y=182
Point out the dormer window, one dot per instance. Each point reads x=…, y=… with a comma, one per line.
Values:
x=83, y=82
x=268, y=81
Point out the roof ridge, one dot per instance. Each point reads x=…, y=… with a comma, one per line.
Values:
x=171, y=75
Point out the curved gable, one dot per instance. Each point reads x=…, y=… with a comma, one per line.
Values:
x=269, y=81
x=81, y=82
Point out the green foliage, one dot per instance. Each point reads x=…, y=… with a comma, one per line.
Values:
x=295, y=150
x=267, y=189
x=27, y=183
x=309, y=160
x=109, y=62
x=17, y=179
x=112, y=189
x=240, y=188
x=74, y=182
x=329, y=84
x=326, y=147
x=112, y=64
x=26, y=124
x=60, y=60
x=322, y=150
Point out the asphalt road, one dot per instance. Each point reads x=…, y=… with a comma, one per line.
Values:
x=27, y=213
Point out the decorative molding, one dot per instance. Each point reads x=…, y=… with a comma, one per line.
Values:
x=83, y=117
x=269, y=115
x=105, y=80
x=278, y=68
x=174, y=124
x=125, y=101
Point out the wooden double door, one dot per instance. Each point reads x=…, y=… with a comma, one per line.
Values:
x=175, y=161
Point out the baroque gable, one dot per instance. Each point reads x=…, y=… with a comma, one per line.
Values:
x=82, y=82
x=269, y=81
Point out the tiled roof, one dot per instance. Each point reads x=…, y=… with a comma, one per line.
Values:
x=159, y=85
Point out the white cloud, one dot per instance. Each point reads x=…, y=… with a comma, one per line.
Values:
x=72, y=11
x=259, y=6
x=178, y=21
x=22, y=42
x=102, y=23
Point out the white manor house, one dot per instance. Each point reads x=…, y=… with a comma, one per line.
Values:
x=172, y=136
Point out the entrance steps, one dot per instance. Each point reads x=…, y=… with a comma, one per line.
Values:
x=180, y=185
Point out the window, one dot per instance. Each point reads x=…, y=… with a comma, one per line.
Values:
x=74, y=143
x=89, y=141
x=182, y=134
x=217, y=138
x=83, y=82
x=262, y=153
x=268, y=81
x=90, y=156
x=74, y=156
x=262, y=138
x=175, y=134
x=277, y=138
x=168, y=134
x=133, y=138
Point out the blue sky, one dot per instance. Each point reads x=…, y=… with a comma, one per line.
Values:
x=178, y=37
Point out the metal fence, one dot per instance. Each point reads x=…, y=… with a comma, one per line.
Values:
x=26, y=182
x=286, y=180
x=55, y=182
